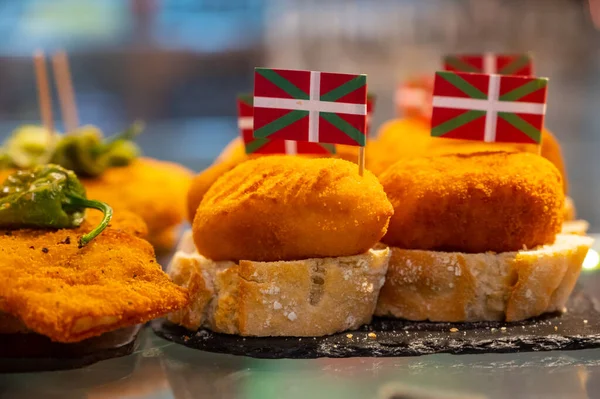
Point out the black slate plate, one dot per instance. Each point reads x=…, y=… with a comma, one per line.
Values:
x=33, y=352
x=578, y=328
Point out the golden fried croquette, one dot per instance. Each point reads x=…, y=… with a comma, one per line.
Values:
x=552, y=152
x=232, y=156
x=406, y=138
x=348, y=152
x=70, y=294
x=203, y=181
x=495, y=201
x=290, y=208
x=235, y=151
x=397, y=139
x=155, y=190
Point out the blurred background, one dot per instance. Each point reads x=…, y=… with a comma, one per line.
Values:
x=178, y=64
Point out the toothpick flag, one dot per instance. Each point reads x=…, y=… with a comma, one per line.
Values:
x=413, y=98
x=491, y=108
x=501, y=64
x=318, y=107
x=267, y=146
x=66, y=94
x=43, y=88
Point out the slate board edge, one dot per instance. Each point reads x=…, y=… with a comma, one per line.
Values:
x=455, y=346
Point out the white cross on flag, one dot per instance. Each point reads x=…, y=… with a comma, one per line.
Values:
x=491, y=108
x=318, y=107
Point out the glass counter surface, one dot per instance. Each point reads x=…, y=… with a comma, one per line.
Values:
x=160, y=369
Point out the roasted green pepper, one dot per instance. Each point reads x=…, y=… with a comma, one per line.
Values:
x=5, y=161
x=48, y=196
x=28, y=146
x=84, y=151
x=88, y=154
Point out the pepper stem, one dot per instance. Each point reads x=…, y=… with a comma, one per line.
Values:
x=101, y=206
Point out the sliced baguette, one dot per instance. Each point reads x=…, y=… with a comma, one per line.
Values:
x=311, y=297
x=579, y=227
x=455, y=287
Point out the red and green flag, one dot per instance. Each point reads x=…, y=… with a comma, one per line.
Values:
x=266, y=146
x=491, y=108
x=490, y=63
x=318, y=107
x=413, y=98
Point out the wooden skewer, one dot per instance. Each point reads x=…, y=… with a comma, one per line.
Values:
x=361, y=160
x=66, y=94
x=43, y=88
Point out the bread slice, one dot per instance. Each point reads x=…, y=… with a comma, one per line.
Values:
x=455, y=287
x=311, y=297
x=579, y=227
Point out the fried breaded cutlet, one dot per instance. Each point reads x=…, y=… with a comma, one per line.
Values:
x=155, y=190
x=125, y=221
x=289, y=208
x=495, y=201
x=70, y=294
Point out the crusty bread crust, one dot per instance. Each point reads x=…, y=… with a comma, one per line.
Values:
x=579, y=227
x=454, y=287
x=311, y=297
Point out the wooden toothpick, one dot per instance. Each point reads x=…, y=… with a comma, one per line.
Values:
x=361, y=160
x=43, y=89
x=66, y=94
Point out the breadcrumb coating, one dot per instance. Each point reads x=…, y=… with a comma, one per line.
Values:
x=407, y=138
x=235, y=151
x=495, y=201
x=203, y=181
x=70, y=294
x=155, y=190
x=231, y=156
x=290, y=208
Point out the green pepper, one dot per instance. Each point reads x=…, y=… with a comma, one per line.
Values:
x=87, y=153
x=28, y=146
x=78, y=151
x=5, y=161
x=48, y=196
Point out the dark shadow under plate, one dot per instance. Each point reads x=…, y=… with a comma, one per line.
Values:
x=33, y=352
x=578, y=328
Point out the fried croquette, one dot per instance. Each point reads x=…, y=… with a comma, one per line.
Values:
x=229, y=158
x=397, y=139
x=407, y=138
x=495, y=201
x=203, y=181
x=291, y=208
x=70, y=294
x=552, y=151
x=235, y=151
x=155, y=190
